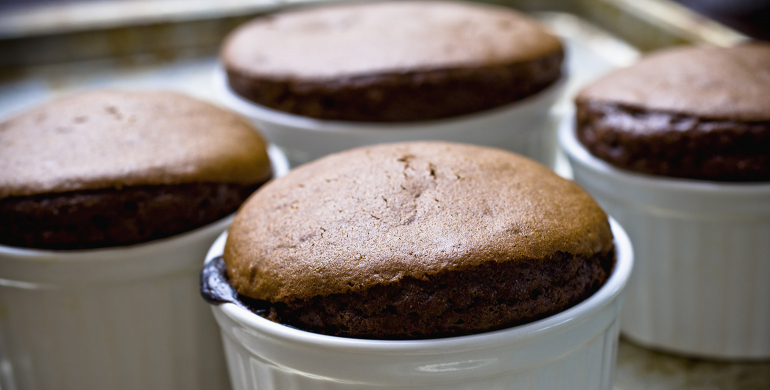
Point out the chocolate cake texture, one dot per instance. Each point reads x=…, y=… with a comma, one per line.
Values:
x=391, y=61
x=417, y=240
x=691, y=112
x=108, y=168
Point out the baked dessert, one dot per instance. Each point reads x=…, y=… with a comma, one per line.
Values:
x=391, y=61
x=690, y=112
x=109, y=168
x=417, y=240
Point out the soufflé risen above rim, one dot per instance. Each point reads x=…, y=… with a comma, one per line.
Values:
x=417, y=240
x=391, y=61
x=110, y=168
x=690, y=112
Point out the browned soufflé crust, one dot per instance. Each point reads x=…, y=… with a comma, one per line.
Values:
x=107, y=168
x=700, y=113
x=418, y=240
x=391, y=61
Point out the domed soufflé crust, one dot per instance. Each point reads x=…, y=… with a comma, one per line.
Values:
x=391, y=61
x=106, y=168
x=692, y=112
x=414, y=240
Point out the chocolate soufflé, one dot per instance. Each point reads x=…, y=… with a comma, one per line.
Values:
x=391, y=61
x=111, y=168
x=689, y=112
x=417, y=240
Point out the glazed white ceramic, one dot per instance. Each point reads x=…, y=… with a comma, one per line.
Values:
x=523, y=127
x=701, y=285
x=572, y=350
x=111, y=319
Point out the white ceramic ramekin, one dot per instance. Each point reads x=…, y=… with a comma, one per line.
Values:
x=572, y=350
x=701, y=283
x=523, y=127
x=117, y=318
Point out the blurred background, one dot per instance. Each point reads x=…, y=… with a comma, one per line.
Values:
x=51, y=31
x=751, y=17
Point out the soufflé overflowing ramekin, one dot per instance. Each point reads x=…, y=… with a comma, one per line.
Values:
x=329, y=78
x=420, y=265
x=677, y=149
x=108, y=203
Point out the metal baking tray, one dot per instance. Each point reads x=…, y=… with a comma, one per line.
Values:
x=162, y=44
x=71, y=31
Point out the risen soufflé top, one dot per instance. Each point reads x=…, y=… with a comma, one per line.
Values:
x=375, y=215
x=716, y=83
x=112, y=139
x=360, y=39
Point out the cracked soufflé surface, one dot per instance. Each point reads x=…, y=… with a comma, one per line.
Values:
x=700, y=113
x=391, y=61
x=418, y=240
x=109, y=168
